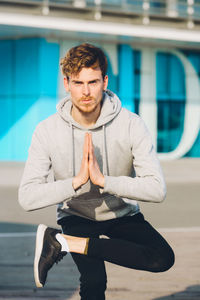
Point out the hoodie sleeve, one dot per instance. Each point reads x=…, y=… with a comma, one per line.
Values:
x=35, y=191
x=148, y=183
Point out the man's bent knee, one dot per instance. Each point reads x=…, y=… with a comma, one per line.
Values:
x=163, y=263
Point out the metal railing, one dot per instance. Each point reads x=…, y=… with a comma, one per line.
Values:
x=179, y=9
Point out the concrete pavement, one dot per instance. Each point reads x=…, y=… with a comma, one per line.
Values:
x=177, y=219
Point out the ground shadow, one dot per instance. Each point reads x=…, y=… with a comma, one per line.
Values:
x=190, y=293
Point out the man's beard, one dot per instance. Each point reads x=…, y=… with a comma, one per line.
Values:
x=87, y=108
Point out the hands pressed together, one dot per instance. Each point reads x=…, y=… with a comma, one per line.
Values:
x=89, y=166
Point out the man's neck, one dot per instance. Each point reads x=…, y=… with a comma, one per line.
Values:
x=85, y=119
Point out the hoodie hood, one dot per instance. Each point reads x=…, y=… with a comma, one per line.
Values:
x=111, y=106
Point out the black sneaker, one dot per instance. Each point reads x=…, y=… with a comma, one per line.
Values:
x=47, y=252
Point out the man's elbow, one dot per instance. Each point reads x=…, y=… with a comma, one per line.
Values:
x=163, y=195
x=160, y=194
x=23, y=200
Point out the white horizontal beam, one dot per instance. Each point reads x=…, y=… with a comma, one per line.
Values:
x=108, y=28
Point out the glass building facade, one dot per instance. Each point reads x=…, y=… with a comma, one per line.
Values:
x=149, y=81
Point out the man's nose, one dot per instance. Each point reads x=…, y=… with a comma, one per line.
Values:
x=86, y=89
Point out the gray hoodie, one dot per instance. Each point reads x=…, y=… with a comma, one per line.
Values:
x=124, y=152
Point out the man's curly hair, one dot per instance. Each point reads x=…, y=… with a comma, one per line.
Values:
x=83, y=56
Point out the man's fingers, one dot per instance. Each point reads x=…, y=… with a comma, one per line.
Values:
x=86, y=146
x=91, y=150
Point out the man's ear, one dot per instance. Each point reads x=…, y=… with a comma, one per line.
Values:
x=66, y=84
x=105, y=82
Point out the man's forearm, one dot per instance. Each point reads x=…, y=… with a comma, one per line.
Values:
x=36, y=195
x=148, y=188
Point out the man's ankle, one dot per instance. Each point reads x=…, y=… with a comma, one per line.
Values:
x=77, y=244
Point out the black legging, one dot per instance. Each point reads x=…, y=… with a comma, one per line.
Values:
x=132, y=243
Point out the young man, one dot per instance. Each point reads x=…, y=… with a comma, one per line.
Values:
x=103, y=163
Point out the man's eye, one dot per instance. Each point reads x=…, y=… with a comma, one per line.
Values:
x=93, y=82
x=77, y=83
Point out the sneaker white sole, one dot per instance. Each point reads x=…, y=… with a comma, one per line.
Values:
x=38, y=250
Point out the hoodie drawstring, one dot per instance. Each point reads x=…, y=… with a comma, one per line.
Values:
x=71, y=156
x=105, y=162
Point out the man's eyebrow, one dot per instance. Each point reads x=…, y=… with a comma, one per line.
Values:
x=79, y=81
x=93, y=80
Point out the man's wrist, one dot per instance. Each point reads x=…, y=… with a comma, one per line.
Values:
x=102, y=181
x=76, y=183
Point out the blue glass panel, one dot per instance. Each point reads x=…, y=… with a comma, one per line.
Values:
x=162, y=76
x=27, y=71
x=126, y=76
x=49, y=67
x=170, y=80
x=24, y=126
x=6, y=68
x=176, y=79
x=112, y=78
x=39, y=109
x=33, y=92
x=194, y=58
x=6, y=85
x=6, y=116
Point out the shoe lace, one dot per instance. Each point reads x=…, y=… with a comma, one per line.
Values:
x=60, y=256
